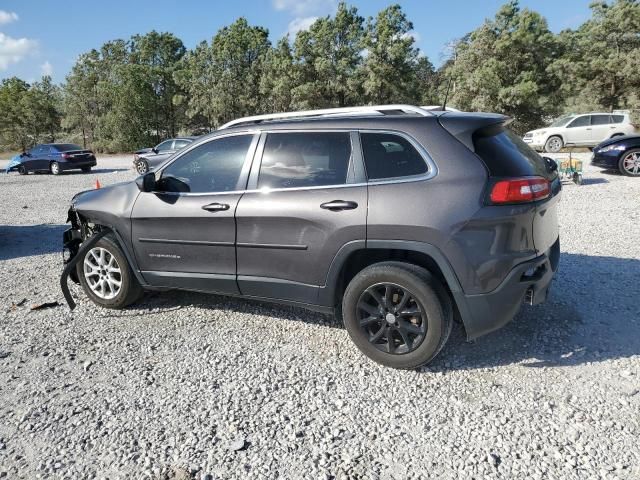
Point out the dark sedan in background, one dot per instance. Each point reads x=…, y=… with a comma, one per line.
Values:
x=53, y=158
x=149, y=158
x=619, y=153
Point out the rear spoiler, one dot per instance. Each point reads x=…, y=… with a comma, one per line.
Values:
x=463, y=125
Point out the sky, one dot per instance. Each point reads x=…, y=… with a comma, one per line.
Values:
x=45, y=37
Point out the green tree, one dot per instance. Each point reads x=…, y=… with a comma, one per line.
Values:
x=601, y=58
x=503, y=66
x=279, y=78
x=222, y=80
x=14, y=131
x=389, y=72
x=328, y=56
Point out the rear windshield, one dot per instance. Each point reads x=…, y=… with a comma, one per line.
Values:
x=67, y=147
x=506, y=155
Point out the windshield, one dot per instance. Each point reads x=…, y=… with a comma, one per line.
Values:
x=561, y=122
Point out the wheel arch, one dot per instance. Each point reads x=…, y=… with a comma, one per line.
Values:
x=355, y=256
x=119, y=239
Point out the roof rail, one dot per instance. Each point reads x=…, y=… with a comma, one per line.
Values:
x=329, y=112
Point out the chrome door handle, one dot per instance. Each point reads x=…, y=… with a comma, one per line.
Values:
x=216, y=207
x=337, y=205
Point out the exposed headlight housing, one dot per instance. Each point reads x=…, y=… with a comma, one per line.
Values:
x=608, y=148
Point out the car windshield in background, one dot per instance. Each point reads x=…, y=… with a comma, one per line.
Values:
x=561, y=122
x=67, y=147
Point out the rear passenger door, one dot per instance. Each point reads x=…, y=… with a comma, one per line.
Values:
x=601, y=128
x=306, y=200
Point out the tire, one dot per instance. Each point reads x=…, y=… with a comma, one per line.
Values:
x=553, y=144
x=109, y=295
x=22, y=170
x=142, y=166
x=54, y=168
x=629, y=163
x=86, y=169
x=427, y=300
x=577, y=178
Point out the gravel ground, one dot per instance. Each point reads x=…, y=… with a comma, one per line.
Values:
x=193, y=386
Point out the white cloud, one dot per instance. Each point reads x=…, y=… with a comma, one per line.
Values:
x=47, y=68
x=298, y=24
x=12, y=50
x=305, y=8
x=7, y=17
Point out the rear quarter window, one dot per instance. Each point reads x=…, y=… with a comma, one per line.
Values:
x=387, y=155
x=506, y=155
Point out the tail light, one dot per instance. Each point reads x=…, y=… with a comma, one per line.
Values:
x=519, y=190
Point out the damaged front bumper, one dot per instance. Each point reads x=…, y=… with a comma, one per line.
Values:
x=76, y=242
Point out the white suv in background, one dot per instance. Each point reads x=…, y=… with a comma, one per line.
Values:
x=586, y=130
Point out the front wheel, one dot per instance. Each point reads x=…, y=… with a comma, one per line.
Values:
x=106, y=277
x=54, y=168
x=86, y=169
x=630, y=163
x=142, y=167
x=397, y=314
x=22, y=170
x=553, y=144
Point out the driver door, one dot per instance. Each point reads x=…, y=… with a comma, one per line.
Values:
x=578, y=132
x=184, y=234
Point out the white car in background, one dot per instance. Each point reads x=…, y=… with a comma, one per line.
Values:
x=586, y=130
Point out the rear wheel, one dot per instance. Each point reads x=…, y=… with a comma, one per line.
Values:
x=630, y=163
x=553, y=144
x=397, y=314
x=22, y=170
x=106, y=277
x=54, y=168
x=86, y=169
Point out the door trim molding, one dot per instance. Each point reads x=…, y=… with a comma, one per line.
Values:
x=185, y=242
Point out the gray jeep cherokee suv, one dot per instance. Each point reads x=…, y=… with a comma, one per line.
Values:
x=395, y=218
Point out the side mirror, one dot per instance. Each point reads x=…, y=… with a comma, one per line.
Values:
x=146, y=182
x=154, y=150
x=552, y=166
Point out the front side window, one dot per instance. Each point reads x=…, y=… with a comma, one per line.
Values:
x=617, y=118
x=583, y=121
x=600, y=120
x=387, y=155
x=214, y=166
x=561, y=122
x=305, y=159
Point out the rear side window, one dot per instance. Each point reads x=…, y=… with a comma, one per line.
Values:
x=387, y=155
x=506, y=155
x=180, y=143
x=67, y=147
x=214, y=166
x=617, y=118
x=305, y=159
x=600, y=120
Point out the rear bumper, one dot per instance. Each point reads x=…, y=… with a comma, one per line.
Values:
x=77, y=164
x=528, y=281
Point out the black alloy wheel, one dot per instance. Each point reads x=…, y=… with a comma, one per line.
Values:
x=392, y=318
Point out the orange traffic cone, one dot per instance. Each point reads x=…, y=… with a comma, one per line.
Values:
x=98, y=184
